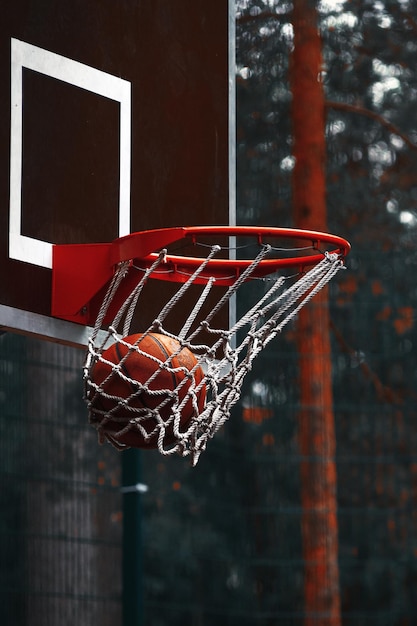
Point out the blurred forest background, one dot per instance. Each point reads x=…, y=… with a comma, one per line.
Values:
x=252, y=535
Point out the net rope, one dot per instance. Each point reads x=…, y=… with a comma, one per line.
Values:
x=207, y=389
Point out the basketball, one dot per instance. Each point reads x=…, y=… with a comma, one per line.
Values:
x=136, y=407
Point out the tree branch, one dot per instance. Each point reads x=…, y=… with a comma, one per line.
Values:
x=353, y=108
x=267, y=15
x=384, y=393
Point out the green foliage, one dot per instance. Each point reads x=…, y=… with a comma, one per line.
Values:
x=369, y=76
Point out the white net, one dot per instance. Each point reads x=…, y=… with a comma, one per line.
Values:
x=176, y=397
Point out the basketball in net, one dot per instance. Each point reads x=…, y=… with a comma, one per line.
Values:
x=145, y=385
x=148, y=390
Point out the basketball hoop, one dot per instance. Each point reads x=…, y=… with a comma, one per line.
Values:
x=173, y=390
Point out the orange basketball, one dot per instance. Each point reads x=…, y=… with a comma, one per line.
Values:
x=140, y=368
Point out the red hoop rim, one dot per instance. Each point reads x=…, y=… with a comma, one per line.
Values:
x=75, y=291
x=141, y=248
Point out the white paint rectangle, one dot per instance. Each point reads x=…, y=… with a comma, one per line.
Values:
x=24, y=55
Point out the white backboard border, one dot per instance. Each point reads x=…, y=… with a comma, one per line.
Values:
x=25, y=55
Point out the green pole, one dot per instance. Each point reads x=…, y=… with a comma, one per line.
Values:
x=132, y=489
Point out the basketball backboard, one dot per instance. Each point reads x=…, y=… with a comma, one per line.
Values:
x=114, y=118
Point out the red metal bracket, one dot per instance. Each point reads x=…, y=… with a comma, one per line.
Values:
x=82, y=271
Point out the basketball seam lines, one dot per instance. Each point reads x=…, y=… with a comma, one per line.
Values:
x=164, y=351
x=126, y=371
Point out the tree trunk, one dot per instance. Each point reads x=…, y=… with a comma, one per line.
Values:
x=316, y=420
